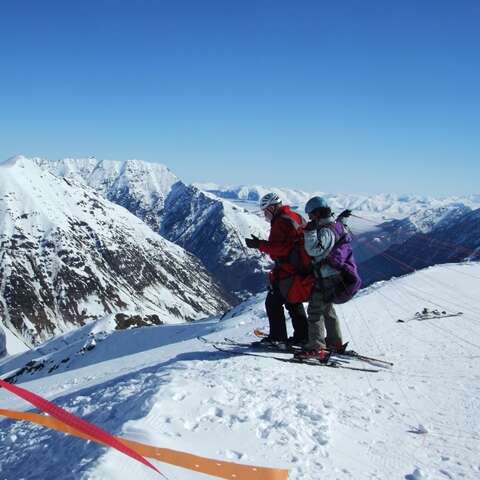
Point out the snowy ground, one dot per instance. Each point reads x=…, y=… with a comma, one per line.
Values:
x=161, y=386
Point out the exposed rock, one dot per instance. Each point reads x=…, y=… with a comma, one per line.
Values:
x=68, y=256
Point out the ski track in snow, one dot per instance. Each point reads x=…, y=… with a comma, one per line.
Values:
x=419, y=420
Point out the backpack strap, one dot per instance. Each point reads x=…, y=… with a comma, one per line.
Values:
x=339, y=241
x=342, y=239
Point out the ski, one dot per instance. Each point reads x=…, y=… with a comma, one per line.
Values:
x=429, y=316
x=258, y=347
x=261, y=346
x=220, y=342
x=330, y=363
x=230, y=342
x=266, y=348
x=259, y=333
x=364, y=358
x=347, y=354
x=255, y=345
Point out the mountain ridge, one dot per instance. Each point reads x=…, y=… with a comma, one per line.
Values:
x=212, y=221
x=67, y=255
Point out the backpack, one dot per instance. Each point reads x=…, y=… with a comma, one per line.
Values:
x=301, y=281
x=341, y=258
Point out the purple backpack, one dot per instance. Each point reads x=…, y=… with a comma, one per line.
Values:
x=341, y=259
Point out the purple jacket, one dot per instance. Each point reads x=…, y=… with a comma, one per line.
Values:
x=331, y=248
x=341, y=258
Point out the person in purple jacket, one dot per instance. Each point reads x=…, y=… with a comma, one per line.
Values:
x=328, y=242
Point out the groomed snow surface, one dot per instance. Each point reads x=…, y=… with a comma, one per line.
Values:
x=161, y=386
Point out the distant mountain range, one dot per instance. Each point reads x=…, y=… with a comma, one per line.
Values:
x=83, y=237
x=396, y=232
x=455, y=238
x=211, y=221
x=393, y=234
x=379, y=207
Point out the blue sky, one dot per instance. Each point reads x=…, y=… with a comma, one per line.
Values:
x=350, y=96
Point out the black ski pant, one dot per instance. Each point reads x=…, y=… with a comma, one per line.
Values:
x=274, y=304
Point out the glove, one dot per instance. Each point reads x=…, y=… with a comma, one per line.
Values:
x=311, y=225
x=345, y=214
x=253, y=242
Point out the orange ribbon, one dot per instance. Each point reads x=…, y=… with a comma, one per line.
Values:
x=216, y=468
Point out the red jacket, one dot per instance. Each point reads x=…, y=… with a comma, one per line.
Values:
x=286, y=230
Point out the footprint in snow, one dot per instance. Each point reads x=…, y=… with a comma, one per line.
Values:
x=416, y=475
x=231, y=454
x=446, y=474
x=212, y=414
x=189, y=425
x=267, y=415
x=419, y=430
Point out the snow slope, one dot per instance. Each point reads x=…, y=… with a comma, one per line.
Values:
x=161, y=386
x=13, y=343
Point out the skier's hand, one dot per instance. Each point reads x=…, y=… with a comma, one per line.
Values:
x=311, y=225
x=253, y=242
x=345, y=214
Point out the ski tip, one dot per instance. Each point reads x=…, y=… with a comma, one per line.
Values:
x=259, y=333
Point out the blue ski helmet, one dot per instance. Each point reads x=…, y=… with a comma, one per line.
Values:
x=314, y=203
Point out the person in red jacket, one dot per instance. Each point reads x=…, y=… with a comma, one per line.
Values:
x=285, y=233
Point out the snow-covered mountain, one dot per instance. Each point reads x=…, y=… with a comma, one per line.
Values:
x=214, y=230
x=138, y=186
x=211, y=221
x=211, y=228
x=397, y=232
x=415, y=227
x=378, y=207
x=161, y=386
x=67, y=256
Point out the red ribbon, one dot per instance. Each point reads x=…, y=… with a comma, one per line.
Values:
x=75, y=422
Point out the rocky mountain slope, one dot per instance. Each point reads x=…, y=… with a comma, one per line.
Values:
x=211, y=228
x=67, y=256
